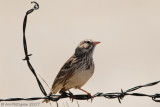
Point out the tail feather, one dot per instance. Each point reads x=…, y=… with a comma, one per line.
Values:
x=54, y=91
x=47, y=100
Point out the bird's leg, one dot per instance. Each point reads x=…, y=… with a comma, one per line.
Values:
x=89, y=94
x=71, y=95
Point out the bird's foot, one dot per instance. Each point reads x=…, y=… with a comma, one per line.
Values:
x=89, y=94
x=63, y=93
x=71, y=96
x=91, y=97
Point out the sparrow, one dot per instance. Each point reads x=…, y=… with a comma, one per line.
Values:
x=77, y=70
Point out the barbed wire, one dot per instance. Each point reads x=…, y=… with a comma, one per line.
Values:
x=119, y=95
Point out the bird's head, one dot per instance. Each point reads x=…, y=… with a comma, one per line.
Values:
x=85, y=47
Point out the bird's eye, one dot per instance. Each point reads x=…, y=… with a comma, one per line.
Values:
x=88, y=42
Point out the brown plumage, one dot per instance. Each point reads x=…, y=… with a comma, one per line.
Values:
x=77, y=70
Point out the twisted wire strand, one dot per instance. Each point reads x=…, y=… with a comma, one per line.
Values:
x=119, y=95
x=36, y=6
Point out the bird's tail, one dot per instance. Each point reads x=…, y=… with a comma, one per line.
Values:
x=47, y=100
x=54, y=91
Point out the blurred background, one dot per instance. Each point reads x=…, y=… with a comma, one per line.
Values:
x=129, y=53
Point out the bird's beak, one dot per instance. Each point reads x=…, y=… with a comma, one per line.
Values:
x=96, y=42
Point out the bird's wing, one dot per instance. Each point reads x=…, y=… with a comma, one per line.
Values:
x=65, y=72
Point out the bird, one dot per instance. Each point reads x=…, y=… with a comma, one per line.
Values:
x=77, y=70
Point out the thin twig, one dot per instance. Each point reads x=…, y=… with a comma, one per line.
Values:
x=44, y=81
